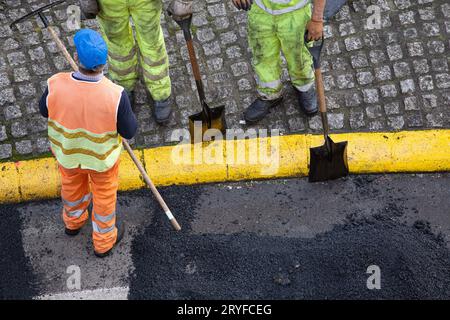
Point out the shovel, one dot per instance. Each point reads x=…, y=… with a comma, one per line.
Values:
x=208, y=118
x=125, y=143
x=327, y=162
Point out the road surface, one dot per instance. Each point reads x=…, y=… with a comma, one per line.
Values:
x=281, y=239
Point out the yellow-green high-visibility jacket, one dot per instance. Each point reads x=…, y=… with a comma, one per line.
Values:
x=277, y=7
x=82, y=122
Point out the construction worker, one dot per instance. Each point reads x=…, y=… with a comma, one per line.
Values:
x=148, y=48
x=280, y=25
x=87, y=114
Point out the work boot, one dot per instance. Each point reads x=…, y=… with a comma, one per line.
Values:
x=120, y=232
x=308, y=101
x=162, y=111
x=72, y=233
x=259, y=109
x=132, y=96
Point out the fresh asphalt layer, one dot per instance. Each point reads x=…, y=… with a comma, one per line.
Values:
x=279, y=239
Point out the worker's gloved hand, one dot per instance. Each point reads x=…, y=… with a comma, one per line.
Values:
x=89, y=8
x=315, y=30
x=180, y=9
x=243, y=4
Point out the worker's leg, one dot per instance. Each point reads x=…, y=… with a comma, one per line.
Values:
x=104, y=189
x=266, y=53
x=75, y=196
x=291, y=29
x=114, y=19
x=155, y=62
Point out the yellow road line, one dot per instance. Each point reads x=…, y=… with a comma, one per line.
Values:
x=285, y=156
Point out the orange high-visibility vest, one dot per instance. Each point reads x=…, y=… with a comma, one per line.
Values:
x=82, y=122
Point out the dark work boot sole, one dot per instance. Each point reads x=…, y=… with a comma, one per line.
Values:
x=72, y=233
x=274, y=104
x=120, y=233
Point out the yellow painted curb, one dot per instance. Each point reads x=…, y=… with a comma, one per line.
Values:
x=265, y=158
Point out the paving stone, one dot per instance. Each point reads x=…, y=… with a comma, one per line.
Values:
x=336, y=120
x=431, y=29
x=396, y=122
x=415, y=49
x=374, y=111
x=364, y=77
x=435, y=120
x=345, y=81
x=407, y=17
x=410, y=33
x=352, y=99
x=392, y=108
x=411, y=103
x=359, y=60
x=440, y=64
x=383, y=73
x=357, y=119
x=4, y=80
x=407, y=86
x=394, y=52
x=377, y=56
x=443, y=81
x=21, y=75
x=388, y=90
x=3, y=135
x=436, y=47
x=7, y=95
x=426, y=83
x=371, y=95
x=5, y=151
x=24, y=147
x=429, y=101
x=414, y=120
x=346, y=29
x=239, y=69
x=421, y=66
x=353, y=43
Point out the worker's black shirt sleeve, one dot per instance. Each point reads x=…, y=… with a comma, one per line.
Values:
x=126, y=120
x=43, y=109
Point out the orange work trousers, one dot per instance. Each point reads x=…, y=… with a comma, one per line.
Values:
x=76, y=195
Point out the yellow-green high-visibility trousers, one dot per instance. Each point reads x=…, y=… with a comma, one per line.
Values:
x=114, y=19
x=268, y=35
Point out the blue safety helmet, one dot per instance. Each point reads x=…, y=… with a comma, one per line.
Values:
x=91, y=48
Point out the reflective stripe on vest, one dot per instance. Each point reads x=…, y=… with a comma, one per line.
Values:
x=82, y=123
x=277, y=7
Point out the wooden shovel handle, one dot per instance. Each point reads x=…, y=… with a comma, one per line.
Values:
x=62, y=48
x=149, y=182
x=320, y=91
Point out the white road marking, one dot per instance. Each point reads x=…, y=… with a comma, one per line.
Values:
x=118, y=293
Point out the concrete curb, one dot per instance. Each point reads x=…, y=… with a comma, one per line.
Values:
x=383, y=152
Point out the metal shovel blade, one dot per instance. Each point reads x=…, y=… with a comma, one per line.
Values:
x=217, y=122
x=328, y=162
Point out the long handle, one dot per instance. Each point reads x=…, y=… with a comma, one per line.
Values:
x=127, y=147
x=62, y=48
x=185, y=26
x=322, y=102
x=152, y=187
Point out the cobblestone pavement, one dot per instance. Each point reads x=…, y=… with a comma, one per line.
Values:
x=393, y=78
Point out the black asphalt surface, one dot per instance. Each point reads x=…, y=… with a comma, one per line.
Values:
x=17, y=280
x=279, y=239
